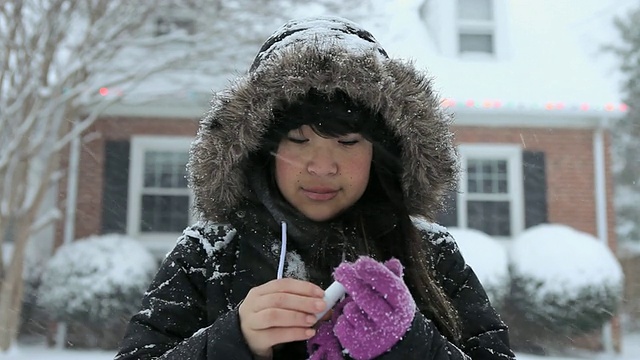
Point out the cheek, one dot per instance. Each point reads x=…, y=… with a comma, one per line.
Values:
x=286, y=168
x=360, y=169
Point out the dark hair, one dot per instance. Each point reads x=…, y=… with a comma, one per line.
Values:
x=336, y=114
x=330, y=115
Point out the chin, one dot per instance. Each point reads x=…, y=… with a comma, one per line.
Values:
x=323, y=216
x=320, y=218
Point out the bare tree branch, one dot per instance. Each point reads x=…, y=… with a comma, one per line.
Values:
x=54, y=57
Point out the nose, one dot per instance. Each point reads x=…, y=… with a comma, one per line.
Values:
x=322, y=163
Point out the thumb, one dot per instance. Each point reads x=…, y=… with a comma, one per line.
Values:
x=395, y=266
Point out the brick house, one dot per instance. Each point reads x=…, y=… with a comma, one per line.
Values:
x=532, y=129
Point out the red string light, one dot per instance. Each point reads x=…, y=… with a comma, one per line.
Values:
x=549, y=106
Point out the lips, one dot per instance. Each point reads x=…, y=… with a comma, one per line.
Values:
x=320, y=193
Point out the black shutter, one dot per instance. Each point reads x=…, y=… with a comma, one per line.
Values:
x=535, y=188
x=449, y=215
x=116, y=186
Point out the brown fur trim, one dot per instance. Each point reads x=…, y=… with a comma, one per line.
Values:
x=240, y=115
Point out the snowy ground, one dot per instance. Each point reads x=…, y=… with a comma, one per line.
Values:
x=631, y=351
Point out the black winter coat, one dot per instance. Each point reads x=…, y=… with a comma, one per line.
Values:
x=191, y=308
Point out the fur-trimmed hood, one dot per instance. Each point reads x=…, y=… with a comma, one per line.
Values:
x=325, y=53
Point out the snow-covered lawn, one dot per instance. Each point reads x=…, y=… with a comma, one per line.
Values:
x=631, y=351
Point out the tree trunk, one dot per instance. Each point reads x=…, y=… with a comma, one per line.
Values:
x=12, y=288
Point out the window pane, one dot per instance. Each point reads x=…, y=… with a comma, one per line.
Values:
x=9, y=233
x=166, y=25
x=472, y=186
x=487, y=186
x=490, y=217
x=475, y=10
x=502, y=167
x=502, y=186
x=488, y=178
x=165, y=169
x=482, y=43
x=449, y=215
x=472, y=166
x=164, y=213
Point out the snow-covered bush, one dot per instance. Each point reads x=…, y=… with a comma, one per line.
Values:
x=565, y=281
x=488, y=259
x=96, y=280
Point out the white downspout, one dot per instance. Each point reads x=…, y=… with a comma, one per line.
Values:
x=600, y=169
x=600, y=181
x=69, y=219
x=72, y=191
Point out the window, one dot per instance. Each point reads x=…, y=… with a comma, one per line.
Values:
x=476, y=26
x=165, y=198
x=172, y=18
x=488, y=196
x=167, y=24
x=159, y=200
x=9, y=232
x=491, y=196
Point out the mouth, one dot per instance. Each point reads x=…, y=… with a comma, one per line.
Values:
x=320, y=193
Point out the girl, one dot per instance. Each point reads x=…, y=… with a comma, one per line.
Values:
x=325, y=162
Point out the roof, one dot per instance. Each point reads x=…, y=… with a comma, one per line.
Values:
x=551, y=57
x=551, y=62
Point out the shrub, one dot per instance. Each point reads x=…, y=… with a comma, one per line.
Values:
x=564, y=281
x=96, y=280
x=488, y=259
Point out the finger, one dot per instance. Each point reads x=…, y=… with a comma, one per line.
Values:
x=289, y=285
x=368, y=298
x=352, y=320
x=288, y=301
x=390, y=287
x=275, y=336
x=338, y=309
x=395, y=266
x=344, y=273
x=274, y=318
x=327, y=315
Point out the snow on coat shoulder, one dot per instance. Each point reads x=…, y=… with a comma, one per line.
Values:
x=437, y=232
x=202, y=231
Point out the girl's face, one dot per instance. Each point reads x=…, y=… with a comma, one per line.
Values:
x=321, y=177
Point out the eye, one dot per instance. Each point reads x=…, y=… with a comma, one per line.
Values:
x=297, y=140
x=350, y=140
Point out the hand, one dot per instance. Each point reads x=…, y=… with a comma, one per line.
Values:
x=279, y=311
x=382, y=309
x=324, y=345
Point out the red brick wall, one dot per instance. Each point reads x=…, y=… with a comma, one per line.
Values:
x=90, y=182
x=568, y=159
x=569, y=167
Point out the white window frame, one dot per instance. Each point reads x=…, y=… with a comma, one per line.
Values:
x=477, y=27
x=156, y=241
x=441, y=19
x=515, y=192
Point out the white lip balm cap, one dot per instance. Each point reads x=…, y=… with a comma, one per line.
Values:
x=331, y=296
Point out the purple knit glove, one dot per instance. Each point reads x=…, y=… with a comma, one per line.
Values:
x=324, y=345
x=382, y=309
